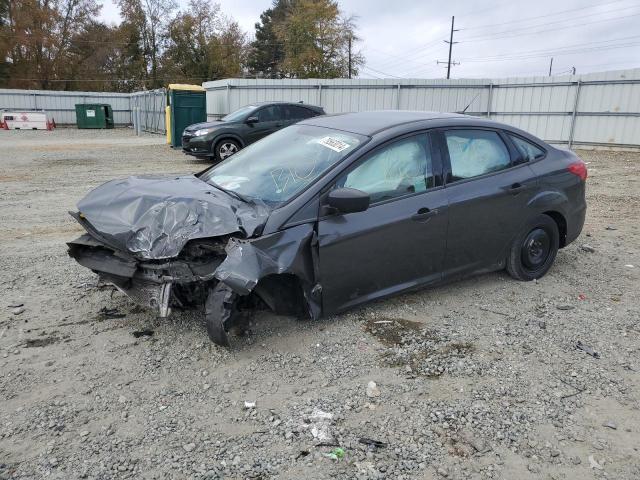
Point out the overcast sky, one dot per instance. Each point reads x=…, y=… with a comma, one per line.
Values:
x=498, y=38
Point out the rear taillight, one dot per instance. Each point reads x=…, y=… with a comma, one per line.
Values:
x=579, y=169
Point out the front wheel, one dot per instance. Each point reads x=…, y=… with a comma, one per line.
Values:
x=225, y=148
x=534, y=250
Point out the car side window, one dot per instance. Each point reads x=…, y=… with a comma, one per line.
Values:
x=268, y=114
x=402, y=168
x=527, y=149
x=299, y=113
x=475, y=152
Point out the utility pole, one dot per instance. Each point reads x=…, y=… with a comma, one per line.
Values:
x=349, y=56
x=550, y=66
x=450, y=42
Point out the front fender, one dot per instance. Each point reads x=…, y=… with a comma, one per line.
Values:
x=220, y=135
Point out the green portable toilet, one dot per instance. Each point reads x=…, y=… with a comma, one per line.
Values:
x=94, y=115
x=186, y=105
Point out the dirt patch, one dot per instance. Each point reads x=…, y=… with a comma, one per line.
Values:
x=40, y=342
x=410, y=345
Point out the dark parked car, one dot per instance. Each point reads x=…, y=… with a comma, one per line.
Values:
x=336, y=211
x=221, y=139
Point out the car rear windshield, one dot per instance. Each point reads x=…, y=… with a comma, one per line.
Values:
x=281, y=165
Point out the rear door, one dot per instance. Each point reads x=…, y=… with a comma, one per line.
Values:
x=270, y=119
x=488, y=193
x=399, y=242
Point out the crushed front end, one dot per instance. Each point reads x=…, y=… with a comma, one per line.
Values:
x=179, y=243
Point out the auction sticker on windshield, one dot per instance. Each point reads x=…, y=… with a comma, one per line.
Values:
x=334, y=144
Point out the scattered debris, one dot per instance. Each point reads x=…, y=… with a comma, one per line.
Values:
x=335, y=454
x=372, y=443
x=17, y=310
x=610, y=424
x=320, y=424
x=249, y=405
x=542, y=324
x=189, y=447
x=108, y=313
x=610, y=227
x=15, y=304
x=564, y=306
x=629, y=265
x=372, y=389
x=593, y=463
x=142, y=333
x=587, y=248
x=303, y=453
x=587, y=349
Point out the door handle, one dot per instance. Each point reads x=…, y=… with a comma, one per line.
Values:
x=424, y=214
x=516, y=188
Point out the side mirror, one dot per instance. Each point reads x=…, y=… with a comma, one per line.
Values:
x=348, y=200
x=251, y=120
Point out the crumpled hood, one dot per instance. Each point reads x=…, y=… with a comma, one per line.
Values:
x=153, y=217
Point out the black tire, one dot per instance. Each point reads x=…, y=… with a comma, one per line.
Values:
x=534, y=250
x=225, y=148
x=220, y=311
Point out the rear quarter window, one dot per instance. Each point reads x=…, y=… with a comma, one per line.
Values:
x=526, y=149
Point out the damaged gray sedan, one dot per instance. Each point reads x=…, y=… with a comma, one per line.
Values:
x=333, y=212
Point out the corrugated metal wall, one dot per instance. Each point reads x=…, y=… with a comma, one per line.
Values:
x=592, y=109
x=61, y=105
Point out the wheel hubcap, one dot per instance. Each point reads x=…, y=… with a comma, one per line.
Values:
x=536, y=248
x=227, y=149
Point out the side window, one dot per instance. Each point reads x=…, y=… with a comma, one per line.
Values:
x=268, y=114
x=300, y=113
x=527, y=149
x=475, y=152
x=396, y=170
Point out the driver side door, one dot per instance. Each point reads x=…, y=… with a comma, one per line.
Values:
x=399, y=241
x=270, y=119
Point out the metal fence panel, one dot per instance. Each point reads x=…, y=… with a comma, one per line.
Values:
x=61, y=105
x=152, y=105
x=599, y=108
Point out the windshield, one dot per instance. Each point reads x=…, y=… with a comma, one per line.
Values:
x=279, y=166
x=239, y=114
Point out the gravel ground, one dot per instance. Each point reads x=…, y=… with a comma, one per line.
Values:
x=476, y=379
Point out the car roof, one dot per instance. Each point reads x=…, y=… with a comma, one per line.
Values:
x=370, y=123
x=281, y=102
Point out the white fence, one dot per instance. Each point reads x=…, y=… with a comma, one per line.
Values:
x=61, y=105
x=601, y=109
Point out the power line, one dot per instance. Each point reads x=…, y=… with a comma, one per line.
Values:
x=548, y=51
x=519, y=29
x=526, y=19
x=563, y=27
x=554, y=52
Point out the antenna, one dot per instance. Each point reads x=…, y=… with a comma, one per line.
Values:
x=465, y=108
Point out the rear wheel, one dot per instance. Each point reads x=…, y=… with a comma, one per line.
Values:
x=225, y=148
x=534, y=250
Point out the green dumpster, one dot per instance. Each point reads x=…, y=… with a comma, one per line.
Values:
x=94, y=115
x=186, y=105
